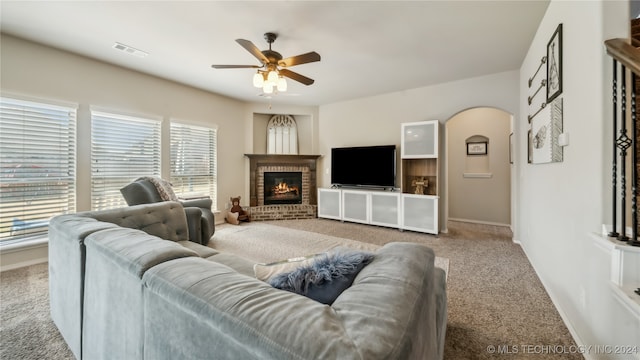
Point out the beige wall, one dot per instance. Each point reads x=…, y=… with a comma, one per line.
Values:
x=479, y=187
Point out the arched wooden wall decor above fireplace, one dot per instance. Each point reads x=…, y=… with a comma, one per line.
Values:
x=282, y=135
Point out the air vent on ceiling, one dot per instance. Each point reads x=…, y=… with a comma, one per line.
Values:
x=130, y=50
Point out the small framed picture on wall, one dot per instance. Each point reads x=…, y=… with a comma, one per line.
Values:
x=554, y=65
x=477, y=148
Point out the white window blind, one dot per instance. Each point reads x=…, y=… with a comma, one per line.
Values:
x=37, y=163
x=193, y=160
x=123, y=148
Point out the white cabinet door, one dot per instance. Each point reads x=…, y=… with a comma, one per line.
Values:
x=385, y=209
x=420, y=139
x=330, y=204
x=420, y=213
x=355, y=206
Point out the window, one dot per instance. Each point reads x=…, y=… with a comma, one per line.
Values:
x=37, y=163
x=123, y=148
x=193, y=160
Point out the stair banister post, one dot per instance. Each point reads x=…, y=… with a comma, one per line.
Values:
x=623, y=143
x=614, y=222
x=634, y=162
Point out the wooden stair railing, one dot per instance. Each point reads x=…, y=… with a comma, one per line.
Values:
x=627, y=58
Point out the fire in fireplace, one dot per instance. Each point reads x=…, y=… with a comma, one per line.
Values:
x=282, y=188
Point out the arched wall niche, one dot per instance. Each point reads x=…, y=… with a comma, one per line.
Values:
x=478, y=186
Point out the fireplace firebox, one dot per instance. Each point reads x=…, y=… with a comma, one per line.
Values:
x=282, y=188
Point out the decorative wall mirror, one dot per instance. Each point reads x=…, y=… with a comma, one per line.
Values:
x=282, y=135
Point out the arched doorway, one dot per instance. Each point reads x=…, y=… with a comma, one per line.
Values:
x=477, y=169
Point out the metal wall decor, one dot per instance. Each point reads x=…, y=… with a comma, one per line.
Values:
x=542, y=62
x=545, y=120
x=543, y=83
x=542, y=106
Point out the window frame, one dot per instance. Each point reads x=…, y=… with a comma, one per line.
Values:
x=180, y=129
x=105, y=189
x=45, y=126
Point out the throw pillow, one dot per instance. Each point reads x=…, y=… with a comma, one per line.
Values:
x=326, y=277
x=265, y=271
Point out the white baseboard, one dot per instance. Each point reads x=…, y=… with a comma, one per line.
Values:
x=23, y=264
x=480, y=222
x=561, y=312
x=24, y=254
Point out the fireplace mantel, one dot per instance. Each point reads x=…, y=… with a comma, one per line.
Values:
x=259, y=160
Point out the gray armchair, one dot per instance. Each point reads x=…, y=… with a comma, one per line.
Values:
x=200, y=219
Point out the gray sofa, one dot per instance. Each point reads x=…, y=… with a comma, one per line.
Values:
x=127, y=284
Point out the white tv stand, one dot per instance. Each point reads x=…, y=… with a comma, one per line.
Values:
x=378, y=207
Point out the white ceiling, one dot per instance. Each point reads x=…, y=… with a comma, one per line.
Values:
x=367, y=47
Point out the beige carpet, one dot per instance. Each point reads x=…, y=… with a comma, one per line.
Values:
x=264, y=243
x=494, y=296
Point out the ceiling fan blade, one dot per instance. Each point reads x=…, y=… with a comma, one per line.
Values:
x=248, y=45
x=297, y=77
x=235, y=66
x=300, y=59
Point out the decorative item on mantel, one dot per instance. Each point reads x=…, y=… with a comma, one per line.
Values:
x=419, y=184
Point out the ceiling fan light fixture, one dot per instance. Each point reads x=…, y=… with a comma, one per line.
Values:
x=258, y=80
x=282, y=84
x=273, y=68
x=272, y=77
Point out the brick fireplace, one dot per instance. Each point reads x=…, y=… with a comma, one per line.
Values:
x=283, y=169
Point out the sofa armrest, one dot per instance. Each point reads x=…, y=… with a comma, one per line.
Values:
x=207, y=226
x=204, y=203
x=194, y=223
x=403, y=284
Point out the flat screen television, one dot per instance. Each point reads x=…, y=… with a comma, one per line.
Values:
x=365, y=166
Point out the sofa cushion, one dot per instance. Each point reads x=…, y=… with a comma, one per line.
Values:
x=265, y=271
x=325, y=277
x=201, y=250
x=237, y=263
x=135, y=250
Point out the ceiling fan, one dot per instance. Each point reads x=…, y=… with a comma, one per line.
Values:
x=274, y=68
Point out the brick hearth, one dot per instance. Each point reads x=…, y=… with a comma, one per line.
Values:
x=259, y=164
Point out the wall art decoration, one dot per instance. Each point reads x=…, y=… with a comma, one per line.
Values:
x=545, y=130
x=477, y=148
x=554, y=65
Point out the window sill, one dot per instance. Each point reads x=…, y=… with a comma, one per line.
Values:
x=29, y=243
x=477, y=175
